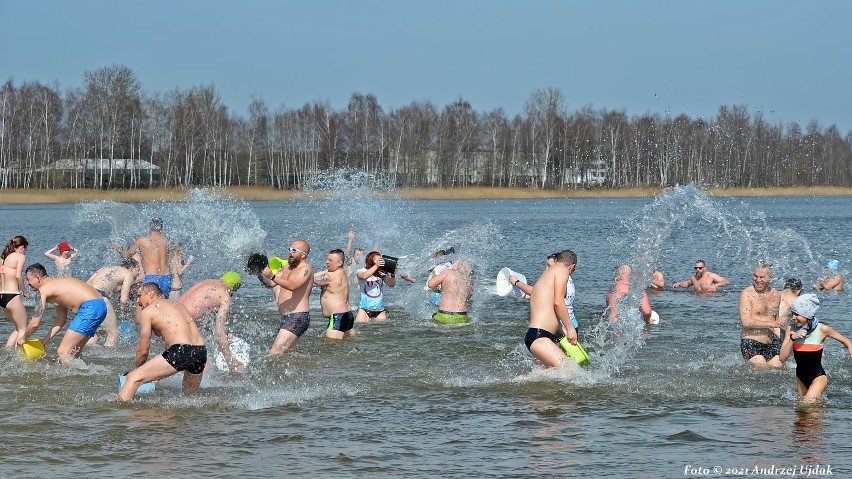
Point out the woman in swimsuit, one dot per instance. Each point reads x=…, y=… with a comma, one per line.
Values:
x=805, y=338
x=12, y=287
x=372, y=281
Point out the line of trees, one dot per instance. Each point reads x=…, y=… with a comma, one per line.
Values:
x=196, y=140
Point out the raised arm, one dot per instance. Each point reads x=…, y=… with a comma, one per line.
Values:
x=351, y=235
x=50, y=255
x=526, y=288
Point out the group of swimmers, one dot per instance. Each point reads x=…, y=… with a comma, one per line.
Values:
x=774, y=323
x=179, y=318
x=153, y=275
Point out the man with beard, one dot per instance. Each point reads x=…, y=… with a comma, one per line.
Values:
x=335, y=296
x=758, y=306
x=702, y=281
x=292, y=287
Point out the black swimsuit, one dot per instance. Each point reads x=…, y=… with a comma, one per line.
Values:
x=536, y=333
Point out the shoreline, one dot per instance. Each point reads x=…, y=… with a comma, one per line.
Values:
x=252, y=193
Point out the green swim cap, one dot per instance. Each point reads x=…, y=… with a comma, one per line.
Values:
x=276, y=263
x=233, y=280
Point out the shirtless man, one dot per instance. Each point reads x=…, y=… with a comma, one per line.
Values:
x=658, y=281
x=154, y=248
x=185, y=349
x=619, y=290
x=292, y=288
x=63, y=259
x=456, y=287
x=214, y=295
x=759, y=306
x=702, y=281
x=548, y=314
x=335, y=296
x=571, y=290
x=108, y=280
x=832, y=281
x=68, y=294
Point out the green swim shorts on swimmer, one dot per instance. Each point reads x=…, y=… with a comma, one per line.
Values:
x=449, y=317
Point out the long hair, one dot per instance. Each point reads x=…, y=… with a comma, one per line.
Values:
x=370, y=261
x=14, y=243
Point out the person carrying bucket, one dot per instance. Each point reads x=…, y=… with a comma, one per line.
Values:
x=214, y=296
x=549, y=319
x=570, y=289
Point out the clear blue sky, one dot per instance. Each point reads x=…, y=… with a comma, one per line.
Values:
x=788, y=59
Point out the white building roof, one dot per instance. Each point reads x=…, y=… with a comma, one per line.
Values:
x=100, y=163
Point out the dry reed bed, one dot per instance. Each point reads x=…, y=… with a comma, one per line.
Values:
x=250, y=193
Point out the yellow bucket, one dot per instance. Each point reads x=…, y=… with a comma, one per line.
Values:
x=31, y=350
x=574, y=351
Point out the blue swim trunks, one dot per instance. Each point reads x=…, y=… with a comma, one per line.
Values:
x=164, y=281
x=89, y=317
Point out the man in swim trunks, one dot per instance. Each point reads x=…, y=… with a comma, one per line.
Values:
x=617, y=294
x=759, y=305
x=335, y=296
x=214, y=296
x=154, y=248
x=63, y=259
x=292, y=289
x=185, y=349
x=107, y=281
x=571, y=290
x=703, y=281
x=456, y=287
x=68, y=294
x=549, y=319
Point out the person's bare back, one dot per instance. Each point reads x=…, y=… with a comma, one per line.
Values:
x=456, y=287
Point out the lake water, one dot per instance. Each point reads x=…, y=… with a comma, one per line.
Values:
x=408, y=398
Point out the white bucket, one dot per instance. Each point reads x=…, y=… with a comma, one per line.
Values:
x=655, y=318
x=504, y=288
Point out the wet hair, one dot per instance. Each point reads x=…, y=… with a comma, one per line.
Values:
x=340, y=253
x=793, y=284
x=13, y=244
x=565, y=256
x=37, y=270
x=156, y=224
x=130, y=263
x=370, y=261
x=150, y=286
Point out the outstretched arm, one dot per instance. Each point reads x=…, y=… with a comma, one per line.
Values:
x=831, y=333
x=682, y=284
x=526, y=288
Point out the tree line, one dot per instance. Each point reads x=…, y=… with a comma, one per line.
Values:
x=195, y=140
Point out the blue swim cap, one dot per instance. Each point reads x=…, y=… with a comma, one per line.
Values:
x=833, y=264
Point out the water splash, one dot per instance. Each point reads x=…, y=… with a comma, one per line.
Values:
x=682, y=220
x=218, y=229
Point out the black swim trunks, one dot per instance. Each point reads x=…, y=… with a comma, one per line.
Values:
x=341, y=321
x=751, y=348
x=536, y=333
x=186, y=357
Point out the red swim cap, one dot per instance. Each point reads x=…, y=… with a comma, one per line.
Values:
x=63, y=247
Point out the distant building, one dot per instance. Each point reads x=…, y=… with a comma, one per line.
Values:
x=96, y=171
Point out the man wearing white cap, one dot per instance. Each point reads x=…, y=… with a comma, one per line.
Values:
x=805, y=339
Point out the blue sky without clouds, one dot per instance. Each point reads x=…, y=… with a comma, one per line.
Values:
x=787, y=59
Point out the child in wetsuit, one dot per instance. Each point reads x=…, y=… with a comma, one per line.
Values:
x=805, y=338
